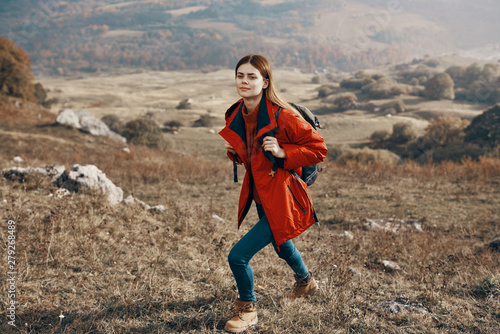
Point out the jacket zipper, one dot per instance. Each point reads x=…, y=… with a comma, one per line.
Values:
x=296, y=201
x=305, y=192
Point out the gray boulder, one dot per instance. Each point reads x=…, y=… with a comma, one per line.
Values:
x=21, y=173
x=80, y=177
x=88, y=123
x=89, y=177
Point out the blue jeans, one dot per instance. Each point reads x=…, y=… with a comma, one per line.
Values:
x=257, y=238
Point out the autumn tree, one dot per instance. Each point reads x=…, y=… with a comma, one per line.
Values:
x=15, y=71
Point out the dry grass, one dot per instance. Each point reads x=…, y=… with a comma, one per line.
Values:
x=123, y=270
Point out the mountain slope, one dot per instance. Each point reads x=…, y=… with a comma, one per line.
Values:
x=92, y=35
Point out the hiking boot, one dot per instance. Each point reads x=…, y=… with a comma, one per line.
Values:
x=303, y=287
x=245, y=315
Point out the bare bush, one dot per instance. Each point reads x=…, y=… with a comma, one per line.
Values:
x=379, y=136
x=113, y=123
x=369, y=156
x=345, y=100
x=440, y=87
x=359, y=80
x=402, y=133
x=204, y=121
x=446, y=130
x=173, y=124
x=326, y=90
x=485, y=128
x=399, y=106
x=144, y=132
x=185, y=104
x=383, y=88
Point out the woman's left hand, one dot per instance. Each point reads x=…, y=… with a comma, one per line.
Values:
x=270, y=144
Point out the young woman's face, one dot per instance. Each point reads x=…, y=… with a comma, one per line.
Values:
x=249, y=81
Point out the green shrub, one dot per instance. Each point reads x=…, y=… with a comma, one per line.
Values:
x=440, y=87
x=144, y=132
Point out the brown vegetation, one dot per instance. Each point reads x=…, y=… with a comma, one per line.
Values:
x=84, y=266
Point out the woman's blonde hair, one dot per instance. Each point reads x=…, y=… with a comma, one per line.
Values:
x=261, y=63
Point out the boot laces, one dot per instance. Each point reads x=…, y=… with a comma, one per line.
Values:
x=240, y=310
x=299, y=283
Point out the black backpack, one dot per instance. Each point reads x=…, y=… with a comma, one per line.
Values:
x=309, y=173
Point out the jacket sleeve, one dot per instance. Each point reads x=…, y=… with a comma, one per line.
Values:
x=304, y=145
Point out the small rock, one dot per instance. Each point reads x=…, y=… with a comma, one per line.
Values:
x=394, y=225
x=130, y=200
x=218, y=218
x=126, y=150
x=62, y=192
x=402, y=305
x=355, y=271
x=212, y=131
x=17, y=159
x=346, y=234
x=157, y=209
x=390, y=266
x=388, y=115
x=495, y=244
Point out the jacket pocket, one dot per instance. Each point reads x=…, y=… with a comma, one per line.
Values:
x=296, y=200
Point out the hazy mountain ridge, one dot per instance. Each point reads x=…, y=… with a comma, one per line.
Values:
x=90, y=35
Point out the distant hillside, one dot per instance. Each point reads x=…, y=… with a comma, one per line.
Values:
x=78, y=35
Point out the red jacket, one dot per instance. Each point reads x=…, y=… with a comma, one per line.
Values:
x=285, y=198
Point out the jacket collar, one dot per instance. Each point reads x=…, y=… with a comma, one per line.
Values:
x=266, y=120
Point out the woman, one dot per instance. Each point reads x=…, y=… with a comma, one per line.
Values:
x=254, y=137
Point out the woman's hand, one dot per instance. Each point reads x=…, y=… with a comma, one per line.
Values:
x=270, y=144
x=230, y=148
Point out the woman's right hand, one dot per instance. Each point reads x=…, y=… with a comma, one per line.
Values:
x=230, y=148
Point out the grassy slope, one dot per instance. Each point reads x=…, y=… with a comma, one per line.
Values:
x=120, y=269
